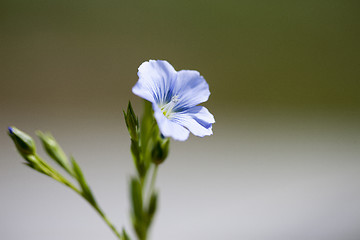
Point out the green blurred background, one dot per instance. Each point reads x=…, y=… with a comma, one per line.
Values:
x=285, y=81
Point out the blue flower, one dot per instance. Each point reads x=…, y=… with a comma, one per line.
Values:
x=174, y=97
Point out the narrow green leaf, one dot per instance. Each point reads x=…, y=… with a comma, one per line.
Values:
x=152, y=207
x=125, y=236
x=135, y=151
x=137, y=157
x=39, y=165
x=147, y=122
x=82, y=182
x=136, y=199
x=140, y=230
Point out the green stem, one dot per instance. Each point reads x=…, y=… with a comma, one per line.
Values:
x=153, y=180
x=58, y=177
x=107, y=221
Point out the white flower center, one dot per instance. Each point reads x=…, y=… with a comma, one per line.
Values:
x=167, y=108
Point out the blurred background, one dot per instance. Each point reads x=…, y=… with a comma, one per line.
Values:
x=283, y=162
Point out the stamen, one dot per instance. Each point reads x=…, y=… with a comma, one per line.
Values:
x=167, y=108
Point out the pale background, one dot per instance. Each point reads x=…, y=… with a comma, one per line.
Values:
x=284, y=160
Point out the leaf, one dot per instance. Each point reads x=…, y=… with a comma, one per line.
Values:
x=135, y=151
x=125, y=236
x=82, y=182
x=152, y=207
x=147, y=122
x=137, y=157
x=136, y=199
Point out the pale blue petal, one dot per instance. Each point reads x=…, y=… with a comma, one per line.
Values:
x=197, y=119
x=200, y=113
x=156, y=79
x=169, y=128
x=192, y=125
x=191, y=89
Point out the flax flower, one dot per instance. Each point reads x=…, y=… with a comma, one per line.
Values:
x=175, y=96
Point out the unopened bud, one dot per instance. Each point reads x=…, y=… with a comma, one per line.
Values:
x=54, y=150
x=23, y=142
x=160, y=151
x=132, y=122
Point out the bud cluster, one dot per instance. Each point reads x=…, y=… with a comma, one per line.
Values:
x=27, y=149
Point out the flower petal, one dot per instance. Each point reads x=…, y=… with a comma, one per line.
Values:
x=201, y=113
x=156, y=80
x=169, y=128
x=197, y=119
x=191, y=88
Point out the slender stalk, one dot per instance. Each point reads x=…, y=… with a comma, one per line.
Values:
x=57, y=176
x=153, y=180
x=107, y=221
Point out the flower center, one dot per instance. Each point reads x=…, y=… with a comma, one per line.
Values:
x=167, y=108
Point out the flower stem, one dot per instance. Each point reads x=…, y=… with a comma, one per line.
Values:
x=107, y=221
x=58, y=177
x=153, y=180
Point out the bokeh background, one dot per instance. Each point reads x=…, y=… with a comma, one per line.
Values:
x=283, y=162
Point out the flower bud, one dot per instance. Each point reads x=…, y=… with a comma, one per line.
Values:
x=132, y=122
x=54, y=150
x=23, y=142
x=160, y=151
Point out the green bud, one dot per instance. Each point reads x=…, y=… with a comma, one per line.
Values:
x=54, y=150
x=132, y=122
x=160, y=151
x=23, y=142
